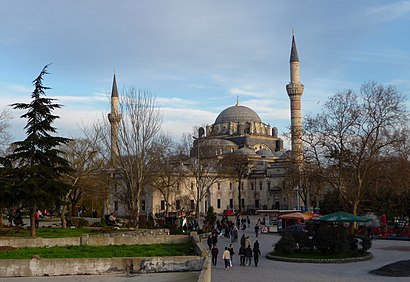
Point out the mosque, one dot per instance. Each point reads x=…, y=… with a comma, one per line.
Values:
x=237, y=130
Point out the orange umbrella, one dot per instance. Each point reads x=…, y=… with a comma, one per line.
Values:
x=296, y=215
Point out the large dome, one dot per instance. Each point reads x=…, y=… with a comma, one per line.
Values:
x=237, y=114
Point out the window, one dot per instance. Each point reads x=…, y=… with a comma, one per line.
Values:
x=260, y=185
x=243, y=202
x=242, y=184
x=178, y=204
x=268, y=185
x=218, y=203
x=162, y=205
x=219, y=186
x=257, y=203
x=192, y=204
x=192, y=185
x=178, y=186
x=116, y=206
x=231, y=203
x=230, y=186
x=143, y=205
x=252, y=187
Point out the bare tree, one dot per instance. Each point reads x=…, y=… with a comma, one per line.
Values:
x=351, y=135
x=138, y=131
x=4, y=144
x=239, y=165
x=87, y=175
x=206, y=172
x=305, y=180
x=168, y=170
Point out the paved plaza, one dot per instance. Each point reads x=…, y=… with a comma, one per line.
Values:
x=384, y=251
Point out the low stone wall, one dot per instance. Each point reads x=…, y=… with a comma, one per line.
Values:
x=206, y=272
x=140, y=237
x=55, y=267
x=271, y=256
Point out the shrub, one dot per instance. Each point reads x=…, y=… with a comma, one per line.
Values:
x=331, y=239
x=80, y=222
x=302, y=240
x=286, y=245
x=366, y=243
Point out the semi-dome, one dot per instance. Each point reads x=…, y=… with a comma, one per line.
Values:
x=245, y=151
x=237, y=114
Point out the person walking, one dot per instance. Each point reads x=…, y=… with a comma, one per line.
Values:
x=248, y=256
x=256, y=254
x=247, y=242
x=256, y=230
x=243, y=239
x=231, y=252
x=209, y=242
x=242, y=255
x=214, y=253
x=227, y=258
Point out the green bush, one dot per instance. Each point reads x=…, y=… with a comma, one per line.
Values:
x=366, y=243
x=286, y=245
x=302, y=240
x=80, y=222
x=331, y=239
x=98, y=224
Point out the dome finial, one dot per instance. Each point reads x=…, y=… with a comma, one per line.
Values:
x=237, y=100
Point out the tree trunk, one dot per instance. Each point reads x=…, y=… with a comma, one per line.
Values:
x=63, y=221
x=33, y=224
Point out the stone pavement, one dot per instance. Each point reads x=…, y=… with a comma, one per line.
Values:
x=384, y=251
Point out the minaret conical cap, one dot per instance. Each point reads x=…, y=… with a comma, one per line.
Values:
x=294, y=53
x=114, y=91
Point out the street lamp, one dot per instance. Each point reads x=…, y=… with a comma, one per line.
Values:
x=201, y=132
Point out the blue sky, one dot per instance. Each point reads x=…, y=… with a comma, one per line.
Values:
x=196, y=57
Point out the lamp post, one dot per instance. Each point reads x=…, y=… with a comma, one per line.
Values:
x=201, y=133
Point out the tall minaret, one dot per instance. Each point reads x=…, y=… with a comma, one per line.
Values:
x=114, y=117
x=295, y=91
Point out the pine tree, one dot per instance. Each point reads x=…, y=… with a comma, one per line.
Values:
x=34, y=168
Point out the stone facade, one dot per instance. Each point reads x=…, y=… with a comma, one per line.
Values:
x=236, y=130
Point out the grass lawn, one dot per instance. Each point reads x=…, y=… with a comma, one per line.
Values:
x=155, y=250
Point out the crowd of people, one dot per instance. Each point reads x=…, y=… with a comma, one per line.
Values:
x=228, y=229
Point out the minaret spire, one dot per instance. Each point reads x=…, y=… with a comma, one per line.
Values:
x=295, y=91
x=114, y=117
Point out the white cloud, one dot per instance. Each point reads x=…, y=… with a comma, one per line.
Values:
x=388, y=12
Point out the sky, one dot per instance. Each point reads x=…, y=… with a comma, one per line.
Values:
x=197, y=57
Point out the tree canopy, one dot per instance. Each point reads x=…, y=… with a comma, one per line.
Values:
x=32, y=171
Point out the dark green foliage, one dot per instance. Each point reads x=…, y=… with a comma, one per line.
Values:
x=80, y=222
x=302, y=240
x=286, y=245
x=210, y=219
x=366, y=243
x=31, y=174
x=331, y=239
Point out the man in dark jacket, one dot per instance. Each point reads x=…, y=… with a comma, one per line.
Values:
x=248, y=256
x=214, y=253
x=242, y=255
x=243, y=238
x=256, y=254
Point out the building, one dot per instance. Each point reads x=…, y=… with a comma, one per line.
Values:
x=236, y=131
